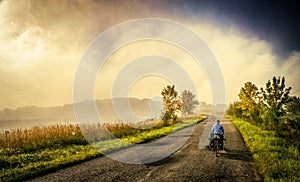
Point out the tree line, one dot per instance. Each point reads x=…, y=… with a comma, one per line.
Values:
x=270, y=107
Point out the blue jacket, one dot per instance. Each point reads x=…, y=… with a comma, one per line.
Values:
x=218, y=129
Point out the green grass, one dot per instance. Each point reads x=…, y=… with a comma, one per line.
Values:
x=26, y=165
x=28, y=153
x=276, y=158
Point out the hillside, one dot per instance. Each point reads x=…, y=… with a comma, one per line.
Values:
x=27, y=116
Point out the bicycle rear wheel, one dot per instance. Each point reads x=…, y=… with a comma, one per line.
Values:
x=216, y=147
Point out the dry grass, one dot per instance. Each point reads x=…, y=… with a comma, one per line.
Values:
x=36, y=138
x=55, y=136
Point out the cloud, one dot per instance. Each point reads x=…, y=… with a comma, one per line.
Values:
x=245, y=57
x=290, y=67
x=41, y=43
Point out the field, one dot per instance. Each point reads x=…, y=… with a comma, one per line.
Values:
x=276, y=159
x=38, y=150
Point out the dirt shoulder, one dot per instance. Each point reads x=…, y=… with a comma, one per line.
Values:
x=191, y=163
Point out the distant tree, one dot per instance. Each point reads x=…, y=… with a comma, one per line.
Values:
x=172, y=104
x=249, y=101
x=234, y=110
x=188, y=102
x=274, y=97
x=293, y=107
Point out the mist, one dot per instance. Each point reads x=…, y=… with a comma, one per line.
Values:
x=42, y=43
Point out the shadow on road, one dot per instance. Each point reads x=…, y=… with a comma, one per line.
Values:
x=233, y=154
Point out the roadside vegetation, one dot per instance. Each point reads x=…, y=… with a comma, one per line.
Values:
x=269, y=121
x=31, y=152
x=26, y=153
x=276, y=158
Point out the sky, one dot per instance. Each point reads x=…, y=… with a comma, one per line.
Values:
x=42, y=43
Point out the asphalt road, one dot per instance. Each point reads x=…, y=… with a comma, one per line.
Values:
x=192, y=161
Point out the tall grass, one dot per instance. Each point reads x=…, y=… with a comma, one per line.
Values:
x=55, y=136
x=36, y=138
x=276, y=158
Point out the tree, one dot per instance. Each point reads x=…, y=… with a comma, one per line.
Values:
x=234, y=109
x=188, y=102
x=275, y=97
x=293, y=107
x=172, y=104
x=249, y=101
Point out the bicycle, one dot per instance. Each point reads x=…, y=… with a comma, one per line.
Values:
x=217, y=144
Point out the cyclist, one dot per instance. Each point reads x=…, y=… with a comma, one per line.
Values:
x=217, y=129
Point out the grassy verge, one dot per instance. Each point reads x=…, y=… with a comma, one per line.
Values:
x=28, y=153
x=275, y=158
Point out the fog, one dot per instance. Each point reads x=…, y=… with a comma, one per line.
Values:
x=41, y=43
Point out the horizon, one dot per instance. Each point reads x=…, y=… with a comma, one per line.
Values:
x=155, y=100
